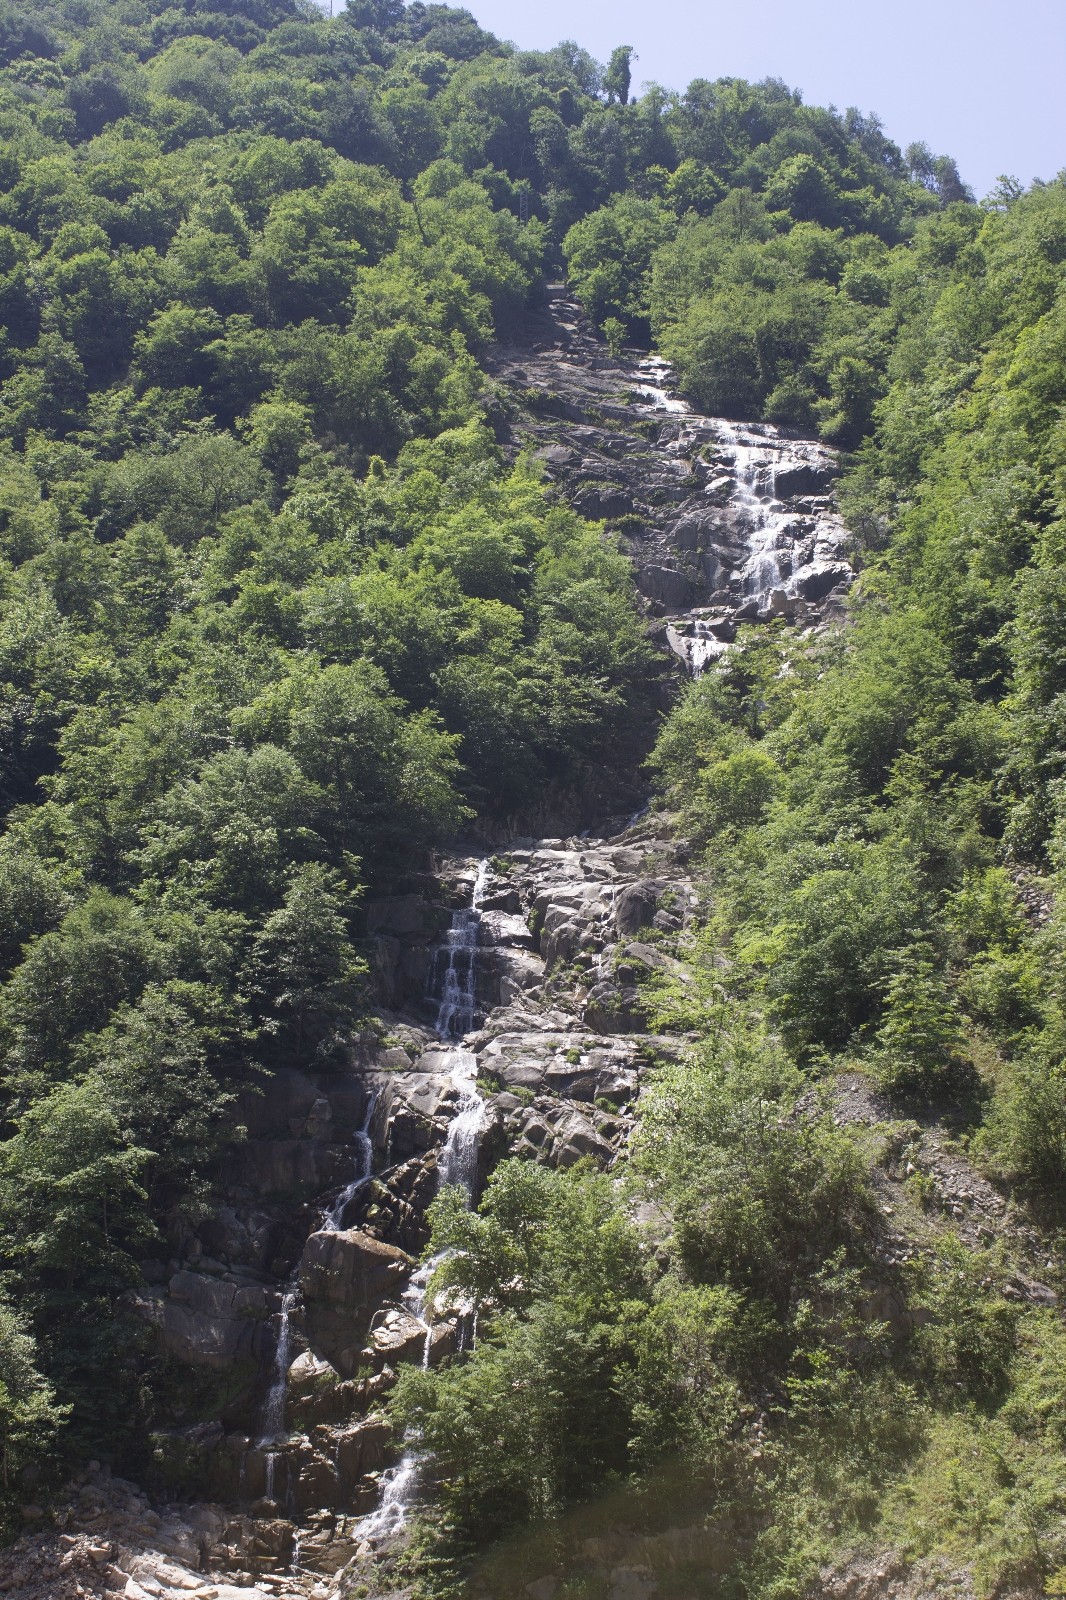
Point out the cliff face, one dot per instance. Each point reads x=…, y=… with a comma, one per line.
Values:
x=724, y=522
x=511, y=1024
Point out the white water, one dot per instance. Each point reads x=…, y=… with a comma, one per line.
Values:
x=273, y=1418
x=398, y=1486
x=704, y=647
x=458, y=1013
x=654, y=374
x=791, y=552
x=456, y=1165
x=414, y=1298
x=754, y=466
x=364, y=1171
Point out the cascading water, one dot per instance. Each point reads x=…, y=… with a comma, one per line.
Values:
x=763, y=572
x=272, y=1420
x=653, y=374
x=364, y=1171
x=768, y=544
x=398, y=1486
x=453, y=980
x=458, y=1160
x=272, y=1427
x=274, y=1405
x=704, y=647
x=457, y=1165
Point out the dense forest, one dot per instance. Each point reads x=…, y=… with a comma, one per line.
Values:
x=280, y=616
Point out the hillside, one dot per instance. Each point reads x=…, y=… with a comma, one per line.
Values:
x=532, y=985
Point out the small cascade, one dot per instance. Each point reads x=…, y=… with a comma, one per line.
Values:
x=705, y=646
x=653, y=374
x=272, y=1429
x=763, y=574
x=273, y=1417
x=453, y=979
x=364, y=1171
x=457, y=1164
x=398, y=1486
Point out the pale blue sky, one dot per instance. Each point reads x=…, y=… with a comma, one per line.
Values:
x=982, y=80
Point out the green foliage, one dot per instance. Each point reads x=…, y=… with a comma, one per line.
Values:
x=917, y=1043
x=277, y=616
x=759, y=1194
x=879, y=820
x=609, y=256
x=303, y=970
x=29, y=1415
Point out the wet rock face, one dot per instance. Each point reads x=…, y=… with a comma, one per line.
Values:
x=723, y=522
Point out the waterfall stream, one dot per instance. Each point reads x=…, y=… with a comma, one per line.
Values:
x=763, y=573
x=457, y=1012
x=364, y=1171
x=272, y=1417
x=457, y=1165
x=272, y=1423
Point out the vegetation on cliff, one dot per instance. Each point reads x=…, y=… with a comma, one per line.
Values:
x=879, y=814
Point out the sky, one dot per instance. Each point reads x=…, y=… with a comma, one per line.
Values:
x=981, y=80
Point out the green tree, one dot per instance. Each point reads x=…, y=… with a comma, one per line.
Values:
x=29, y=1414
x=616, y=79
x=304, y=975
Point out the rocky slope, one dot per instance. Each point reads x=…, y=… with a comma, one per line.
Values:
x=724, y=522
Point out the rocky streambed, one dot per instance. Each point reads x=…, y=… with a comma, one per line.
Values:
x=510, y=1022
x=725, y=522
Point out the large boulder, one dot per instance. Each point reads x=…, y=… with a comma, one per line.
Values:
x=805, y=478
x=817, y=580
x=351, y=1270
x=635, y=906
x=345, y=1277
x=668, y=585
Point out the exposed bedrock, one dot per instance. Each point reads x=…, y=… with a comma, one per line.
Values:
x=724, y=522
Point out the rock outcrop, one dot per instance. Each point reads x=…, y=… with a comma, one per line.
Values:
x=725, y=523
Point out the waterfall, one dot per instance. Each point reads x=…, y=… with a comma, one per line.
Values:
x=364, y=1171
x=456, y=1165
x=704, y=647
x=457, y=1012
x=762, y=573
x=774, y=547
x=458, y=1160
x=653, y=374
x=414, y=1298
x=273, y=1419
x=272, y=1422
x=398, y=1485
